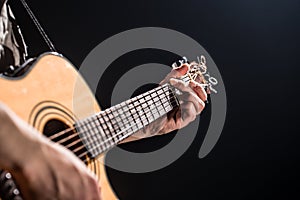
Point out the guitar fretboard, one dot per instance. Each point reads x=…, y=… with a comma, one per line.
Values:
x=107, y=128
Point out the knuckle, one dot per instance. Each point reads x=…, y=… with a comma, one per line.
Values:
x=202, y=106
x=205, y=96
x=193, y=117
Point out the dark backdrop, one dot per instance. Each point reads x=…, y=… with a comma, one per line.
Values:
x=255, y=45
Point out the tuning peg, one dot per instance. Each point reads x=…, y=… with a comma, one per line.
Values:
x=178, y=63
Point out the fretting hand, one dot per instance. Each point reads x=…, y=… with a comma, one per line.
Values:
x=191, y=99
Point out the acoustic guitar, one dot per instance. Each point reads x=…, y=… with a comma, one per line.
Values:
x=52, y=97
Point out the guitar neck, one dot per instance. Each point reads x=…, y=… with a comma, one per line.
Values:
x=106, y=129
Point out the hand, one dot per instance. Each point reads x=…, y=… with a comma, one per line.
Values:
x=191, y=101
x=191, y=104
x=42, y=169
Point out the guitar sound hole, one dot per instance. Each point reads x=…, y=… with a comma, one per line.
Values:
x=54, y=126
x=70, y=139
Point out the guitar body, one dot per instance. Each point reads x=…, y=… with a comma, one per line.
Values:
x=50, y=97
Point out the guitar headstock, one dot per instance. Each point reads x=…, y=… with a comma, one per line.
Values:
x=197, y=71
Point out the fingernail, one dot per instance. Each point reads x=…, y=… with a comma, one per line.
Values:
x=183, y=69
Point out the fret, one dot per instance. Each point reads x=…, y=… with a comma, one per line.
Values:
x=175, y=102
x=108, y=130
x=133, y=122
x=116, y=121
x=113, y=126
x=159, y=106
x=137, y=118
x=153, y=109
x=103, y=143
x=121, y=117
x=110, y=139
x=93, y=136
x=128, y=120
x=142, y=106
x=168, y=99
x=113, y=120
x=159, y=92
x=88, y=137
x=123, y=120
x=127, y=116
x=103, y=127
x=150, y=116
x=82, y=130
x=121, y=123
x=101, y=131
x=142, y=111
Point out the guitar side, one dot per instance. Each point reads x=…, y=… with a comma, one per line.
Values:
x=54, y=92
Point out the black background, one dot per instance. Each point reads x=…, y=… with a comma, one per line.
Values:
x=255, y=45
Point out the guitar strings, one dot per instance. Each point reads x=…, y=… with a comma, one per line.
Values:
x=70, y=145
x=130, y=133
x=109, y=117
x=54, y=136
x=108, y=126
x=105, y=141
x=83, y=155
x=141, y=121
x=110, y=138
x=90, y=120
x=72, y=136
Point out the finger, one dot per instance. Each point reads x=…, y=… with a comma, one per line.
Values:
x=186, y=87
x=199, y=90
x=200, y=79
x=193, y=98
x=189, y=95
x=187, y=114
x=179, y=84
x=176, y=73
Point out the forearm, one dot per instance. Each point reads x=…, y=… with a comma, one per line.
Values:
x=17, y=140
x=136, y=136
